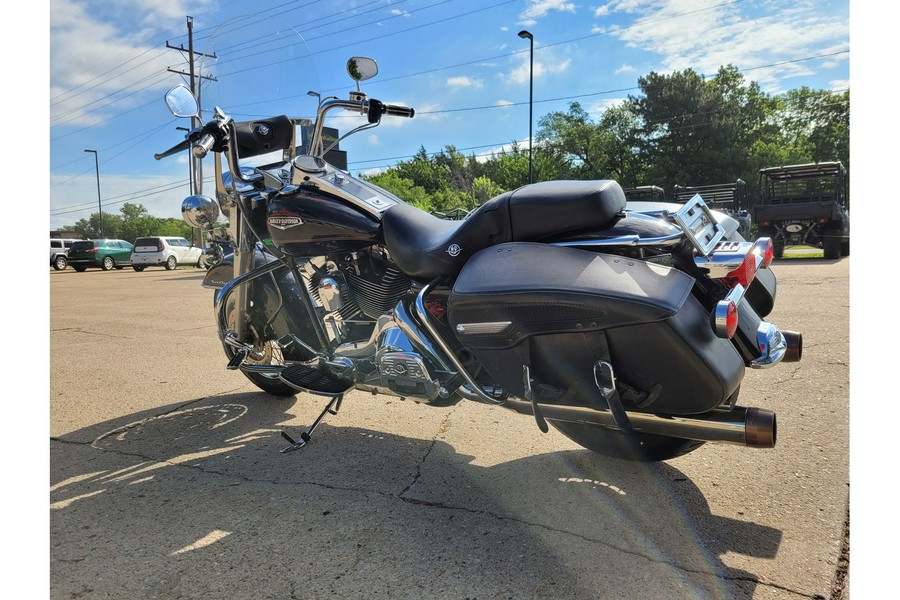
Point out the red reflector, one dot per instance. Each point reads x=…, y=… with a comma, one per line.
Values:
x=731, y=320
x=93, y=250
x=745, y=273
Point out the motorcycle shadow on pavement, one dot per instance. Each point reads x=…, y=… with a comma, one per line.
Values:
x=195, y=501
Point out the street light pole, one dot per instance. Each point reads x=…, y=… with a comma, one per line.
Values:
x=99, y=204
x=525, y=34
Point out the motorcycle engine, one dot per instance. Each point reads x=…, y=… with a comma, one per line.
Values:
x=354, y=290
x=376, y=284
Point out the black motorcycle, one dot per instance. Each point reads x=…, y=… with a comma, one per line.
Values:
x=627, y=327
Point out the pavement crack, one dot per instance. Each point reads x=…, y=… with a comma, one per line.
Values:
x=442, y=428
x=80, y=330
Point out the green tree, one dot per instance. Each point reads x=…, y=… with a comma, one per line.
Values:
x=819, y=122
x=90, y=228
x=136, y=222
x=403, y=188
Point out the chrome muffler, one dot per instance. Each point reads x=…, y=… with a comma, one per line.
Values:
x=750, y=427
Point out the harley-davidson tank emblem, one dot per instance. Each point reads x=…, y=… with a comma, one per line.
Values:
x=454, y=250
x=286, y=222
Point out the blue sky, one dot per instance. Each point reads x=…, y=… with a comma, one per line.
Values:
x=459, y=63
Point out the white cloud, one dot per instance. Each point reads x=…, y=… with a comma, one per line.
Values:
x=540, y=8
x=504, y=103
x=839, y=85
x=97, y=67
x=80, y=198
x=687, y=36
x=464, y=81
x=373, y=139
x=596, y=109
x=521, y=73
x=398, y=12
x=625, y=69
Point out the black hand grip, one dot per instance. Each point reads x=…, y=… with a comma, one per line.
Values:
x=399, y=111
x=180, y=147
x=202, y=148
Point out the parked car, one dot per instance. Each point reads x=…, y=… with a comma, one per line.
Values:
x=59, y=250
x=168, y=252
x=105, y=254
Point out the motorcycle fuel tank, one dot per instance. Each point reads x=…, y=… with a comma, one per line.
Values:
x=306, y=221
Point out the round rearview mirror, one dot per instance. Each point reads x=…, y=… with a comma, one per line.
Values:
x=361, y=68
x=200, y=211
x=181, y=102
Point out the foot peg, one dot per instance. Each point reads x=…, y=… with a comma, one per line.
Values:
x=334, y=405
x=237, y=360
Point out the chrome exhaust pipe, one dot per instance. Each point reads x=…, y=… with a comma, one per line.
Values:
x=750, y=427
x=794, y=351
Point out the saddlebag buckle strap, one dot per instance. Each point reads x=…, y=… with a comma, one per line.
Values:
x=529, y=395
x=605, y=379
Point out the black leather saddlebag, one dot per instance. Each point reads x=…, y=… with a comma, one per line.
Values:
x=560, y=310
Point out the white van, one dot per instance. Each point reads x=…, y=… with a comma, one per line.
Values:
x=59, y=250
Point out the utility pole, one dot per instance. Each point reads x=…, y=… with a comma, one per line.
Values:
x=195, y=166
x=197, y=169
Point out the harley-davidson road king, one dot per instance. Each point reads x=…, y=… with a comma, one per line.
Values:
x=628, y=328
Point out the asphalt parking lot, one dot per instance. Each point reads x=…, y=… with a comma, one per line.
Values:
x=166, y=479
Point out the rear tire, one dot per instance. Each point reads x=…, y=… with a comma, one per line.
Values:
x=171, y=263
x=845, y=248
x=831, y=245
x=108, y=264
x=137, y=268
x=639, y=447
x=60, y=263
x=80, y=269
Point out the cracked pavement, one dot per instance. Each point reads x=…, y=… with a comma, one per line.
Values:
x=167, y=481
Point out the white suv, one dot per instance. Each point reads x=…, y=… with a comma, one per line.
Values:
x=59, y=250
x=168, y=252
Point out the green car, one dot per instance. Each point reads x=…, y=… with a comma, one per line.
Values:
x=105, y=254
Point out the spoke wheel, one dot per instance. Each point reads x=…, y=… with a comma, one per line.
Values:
x=265, y=352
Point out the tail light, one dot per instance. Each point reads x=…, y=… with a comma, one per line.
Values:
x=745, y=273
x=93, y=250
x=159, y=246
x=767, y=249
x=726, y=319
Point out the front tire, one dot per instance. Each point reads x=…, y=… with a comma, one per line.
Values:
x=80, y=269
x=60, y=263
x=264, y=352
x=171, y=263
x=137, y=268
x=108, y=263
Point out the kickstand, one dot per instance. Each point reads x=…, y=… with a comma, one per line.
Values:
x=334, y=405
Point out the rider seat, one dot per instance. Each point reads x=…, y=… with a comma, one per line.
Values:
x=426, y=247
